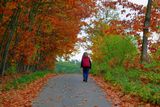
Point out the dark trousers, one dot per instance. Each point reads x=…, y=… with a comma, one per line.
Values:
x=85, y=74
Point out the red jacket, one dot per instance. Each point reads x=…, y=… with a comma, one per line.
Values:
x=82, y=62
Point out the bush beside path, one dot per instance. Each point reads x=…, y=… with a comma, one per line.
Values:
x=118, y=97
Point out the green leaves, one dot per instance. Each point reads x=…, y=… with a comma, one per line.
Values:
x=19, y=82
x=131, y=83
x=113, y=50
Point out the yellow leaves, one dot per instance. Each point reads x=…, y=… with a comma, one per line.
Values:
x=83, y=23
x=148, y=34
x=156, y=3
x=48, y=28
x=11, y=5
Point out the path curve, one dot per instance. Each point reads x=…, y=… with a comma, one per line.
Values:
x=68, y=90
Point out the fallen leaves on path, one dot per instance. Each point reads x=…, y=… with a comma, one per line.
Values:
x=119, y=99
x=24, y=97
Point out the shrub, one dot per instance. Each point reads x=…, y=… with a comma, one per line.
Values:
x=116, y=49
x=111, y=52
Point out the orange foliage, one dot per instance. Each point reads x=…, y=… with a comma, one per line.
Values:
x=19, y=98
x=45, y=29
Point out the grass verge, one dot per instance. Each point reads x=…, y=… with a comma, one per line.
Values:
x=138, y=83
x=25, y=79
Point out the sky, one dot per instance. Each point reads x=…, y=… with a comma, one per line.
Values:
x=142, y=2
x=79, y=55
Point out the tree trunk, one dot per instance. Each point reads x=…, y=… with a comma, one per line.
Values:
x=31, y=17
x=12, y=27
x=144, y=55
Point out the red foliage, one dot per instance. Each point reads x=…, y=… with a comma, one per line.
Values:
x=136, y=22
x=45, y=29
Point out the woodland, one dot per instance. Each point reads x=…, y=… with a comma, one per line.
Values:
x=123, y=37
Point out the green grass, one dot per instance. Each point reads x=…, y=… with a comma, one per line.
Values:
x=67, y=67
x=131, y=83
x=25, y=79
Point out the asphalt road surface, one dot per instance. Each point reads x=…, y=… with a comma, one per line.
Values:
x=69, y=90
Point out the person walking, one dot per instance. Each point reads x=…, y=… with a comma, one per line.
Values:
x=85, y=65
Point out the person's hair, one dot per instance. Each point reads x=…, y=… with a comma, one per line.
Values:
x=85, y=54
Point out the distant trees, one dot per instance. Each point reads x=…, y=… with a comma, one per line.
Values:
x=68, y=66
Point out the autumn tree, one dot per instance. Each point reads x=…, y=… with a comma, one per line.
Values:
x=34, y=33
x=138, y=20
x=12, y=21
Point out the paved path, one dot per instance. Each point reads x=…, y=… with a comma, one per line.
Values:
x=68, y=90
